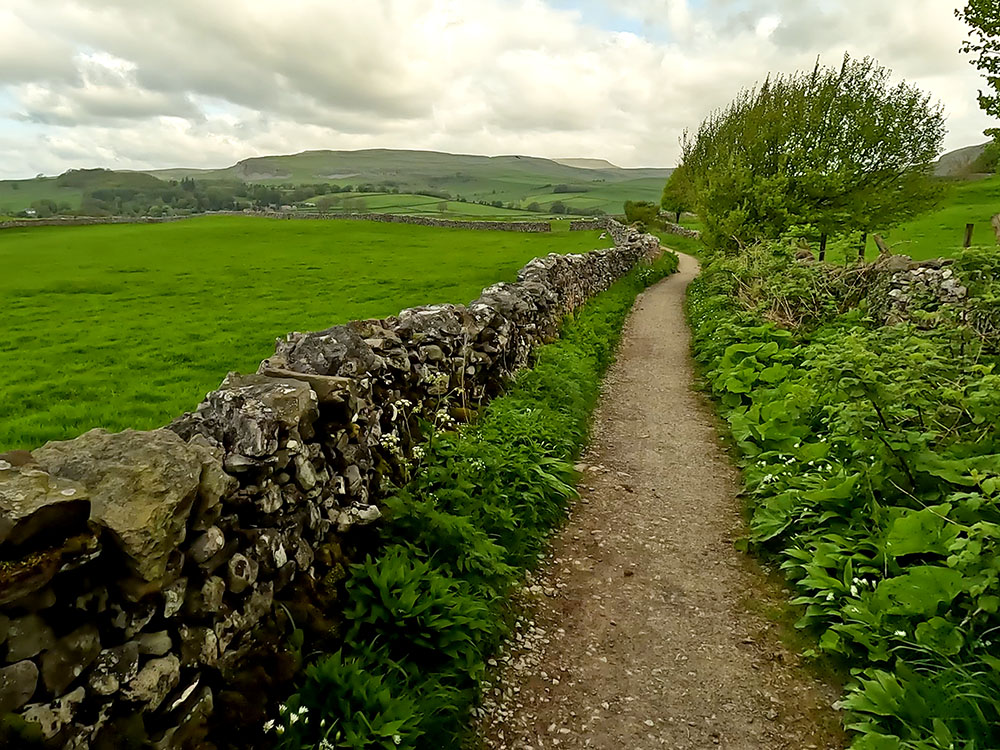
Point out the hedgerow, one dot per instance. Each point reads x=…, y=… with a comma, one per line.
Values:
x=429, y=608
x=870, y=455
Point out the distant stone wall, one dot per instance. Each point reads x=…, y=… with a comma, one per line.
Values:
x=80, y=221
x=425, y=221
x=677, y=229
x=588, y=225
x=141, y=572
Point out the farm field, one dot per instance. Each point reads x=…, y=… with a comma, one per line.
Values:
x=130, y=325
x=942, y=231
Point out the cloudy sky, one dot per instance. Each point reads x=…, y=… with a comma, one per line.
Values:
x=137, y=85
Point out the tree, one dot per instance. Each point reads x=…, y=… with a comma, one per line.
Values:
x=984, y=18
x=643, y=212
x=676, y=197
x=834, y=149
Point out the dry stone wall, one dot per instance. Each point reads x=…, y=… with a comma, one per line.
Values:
x=141, y=572
x=424, y=221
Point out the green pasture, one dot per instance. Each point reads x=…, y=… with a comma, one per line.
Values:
x=130, y=325
x=942, y=231
x=17, y=195
x=938, y=233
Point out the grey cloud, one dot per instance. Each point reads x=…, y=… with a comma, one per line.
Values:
x=205, y=84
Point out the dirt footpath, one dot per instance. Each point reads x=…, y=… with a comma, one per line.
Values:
x=645, y=629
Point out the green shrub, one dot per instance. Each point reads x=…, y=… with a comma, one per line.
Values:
x=872, y=461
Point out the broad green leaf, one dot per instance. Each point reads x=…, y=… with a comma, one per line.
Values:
x=920, y=591
x=921, y=531
x=940, y=636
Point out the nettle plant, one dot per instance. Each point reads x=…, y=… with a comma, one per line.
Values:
x=872, y=459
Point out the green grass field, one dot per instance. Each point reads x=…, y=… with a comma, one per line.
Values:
x=130, y=325
x=940, y=233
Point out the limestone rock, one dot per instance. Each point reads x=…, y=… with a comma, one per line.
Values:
x=207, y=545
x=156, y=644
x=155, y=681
x=338, y=351
x=242, y=572
x=173, y=597
x=199, y=645
x=53, y=717
x=35, y=506
x=17, y=685
x=65, y=661
x=142, y=485
x=113, y=668
x=28, y=636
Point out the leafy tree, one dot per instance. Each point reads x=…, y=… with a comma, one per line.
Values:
x=558, y=208
x=641, y=211
x=984, y=18
x=677, y=194
x=834, y=149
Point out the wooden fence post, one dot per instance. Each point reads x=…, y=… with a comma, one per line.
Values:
x=883, y=248
x=996, y=226
x=864, y=245
x=968, y=235
x=822, y=246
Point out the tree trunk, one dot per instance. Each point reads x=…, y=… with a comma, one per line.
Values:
x=676, y=222
x=968, y=235
x=864, y=245
x=822, y=247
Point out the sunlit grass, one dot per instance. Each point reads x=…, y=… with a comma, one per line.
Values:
x=130, y=325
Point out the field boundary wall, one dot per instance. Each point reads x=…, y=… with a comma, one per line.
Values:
x=147, y=578
x=487, y=225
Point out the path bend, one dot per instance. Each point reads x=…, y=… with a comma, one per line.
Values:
x=647, y=627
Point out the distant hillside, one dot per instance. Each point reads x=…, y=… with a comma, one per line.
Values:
x=958, y=163
x=506, y=182
x=586, y=163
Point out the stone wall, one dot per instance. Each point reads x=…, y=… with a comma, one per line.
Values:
x=141, y=573
x=425, y=221
x=677, y=229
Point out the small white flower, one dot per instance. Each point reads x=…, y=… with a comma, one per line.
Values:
x=900, y=633
x=397, y=739
x=303, y=710
x=292, y=718
x=854, y=590
x=830, y=597
x=269, y=725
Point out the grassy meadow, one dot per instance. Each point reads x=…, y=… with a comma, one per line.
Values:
x=130, y=325
x=940, y=233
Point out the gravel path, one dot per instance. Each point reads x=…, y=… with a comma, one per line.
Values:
x=645, y=628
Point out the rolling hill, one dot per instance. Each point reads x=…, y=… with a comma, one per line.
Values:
x=516, y=182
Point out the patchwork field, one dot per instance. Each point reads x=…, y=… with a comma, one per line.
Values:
x=130, y=325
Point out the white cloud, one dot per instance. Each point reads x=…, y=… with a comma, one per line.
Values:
x=126, y=84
